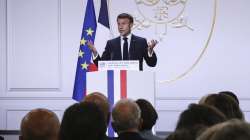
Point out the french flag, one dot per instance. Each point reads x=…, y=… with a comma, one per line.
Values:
x=103, y=32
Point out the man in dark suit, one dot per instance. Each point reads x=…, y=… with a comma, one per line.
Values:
x=127, y=46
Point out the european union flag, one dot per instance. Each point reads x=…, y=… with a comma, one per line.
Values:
x=84, y=63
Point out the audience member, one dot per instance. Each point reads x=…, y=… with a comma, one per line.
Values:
x=201, y=115
x=231, y=94
x=39, y=124
x=197, y=118
x=149, y=117
x=83, y=121
x=230, y=130
x=226, y=105
x=101, y=101
x=126, y=117
x=203, y=99
x=182, y=134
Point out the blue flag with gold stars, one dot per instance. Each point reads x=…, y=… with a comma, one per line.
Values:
x=84, y=63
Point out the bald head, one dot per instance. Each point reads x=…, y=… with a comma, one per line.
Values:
x=40, y=124
x=126, y=116
x=101, y=101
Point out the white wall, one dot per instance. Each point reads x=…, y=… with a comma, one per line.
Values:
x=39, y=42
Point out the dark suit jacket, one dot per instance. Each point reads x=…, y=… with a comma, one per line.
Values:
x=109, y=138
x=137, y=51
x=130, y=136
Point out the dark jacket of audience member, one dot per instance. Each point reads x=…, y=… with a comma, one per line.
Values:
x=126, y=117
x=83, y=121
x=230, y=130
x=39, y=124
x=226, y=104
x=149, y=117
x=197, y=118
x=182, y=134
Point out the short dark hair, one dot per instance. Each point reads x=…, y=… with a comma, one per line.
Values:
x=148, y=114
x=126, y=15
x=202, y=115
x=101, y=101
x=226, y=105
x=82, y=121
x=197, y=118
x=231, y=94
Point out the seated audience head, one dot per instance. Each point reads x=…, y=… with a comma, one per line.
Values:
x=225, y=104
x=40, y=124
x=148, y=114
x=197, y=118
x=231, y=94
x=101, y=101
x=83, y=121
x=202, y=100
x=231, y=130
x=201, y=115
x=126, y=116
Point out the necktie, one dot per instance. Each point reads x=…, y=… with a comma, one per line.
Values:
x=125, y=48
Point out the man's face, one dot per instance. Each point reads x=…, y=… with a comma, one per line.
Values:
x=124, y=26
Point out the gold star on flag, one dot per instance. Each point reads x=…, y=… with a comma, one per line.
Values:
x=83, y=41
x=81, y=53
x=89, y=31
x=84, y=66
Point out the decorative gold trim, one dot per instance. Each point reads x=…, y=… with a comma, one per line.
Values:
x=202, y=53
x=150, y=3
x=163, y=22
